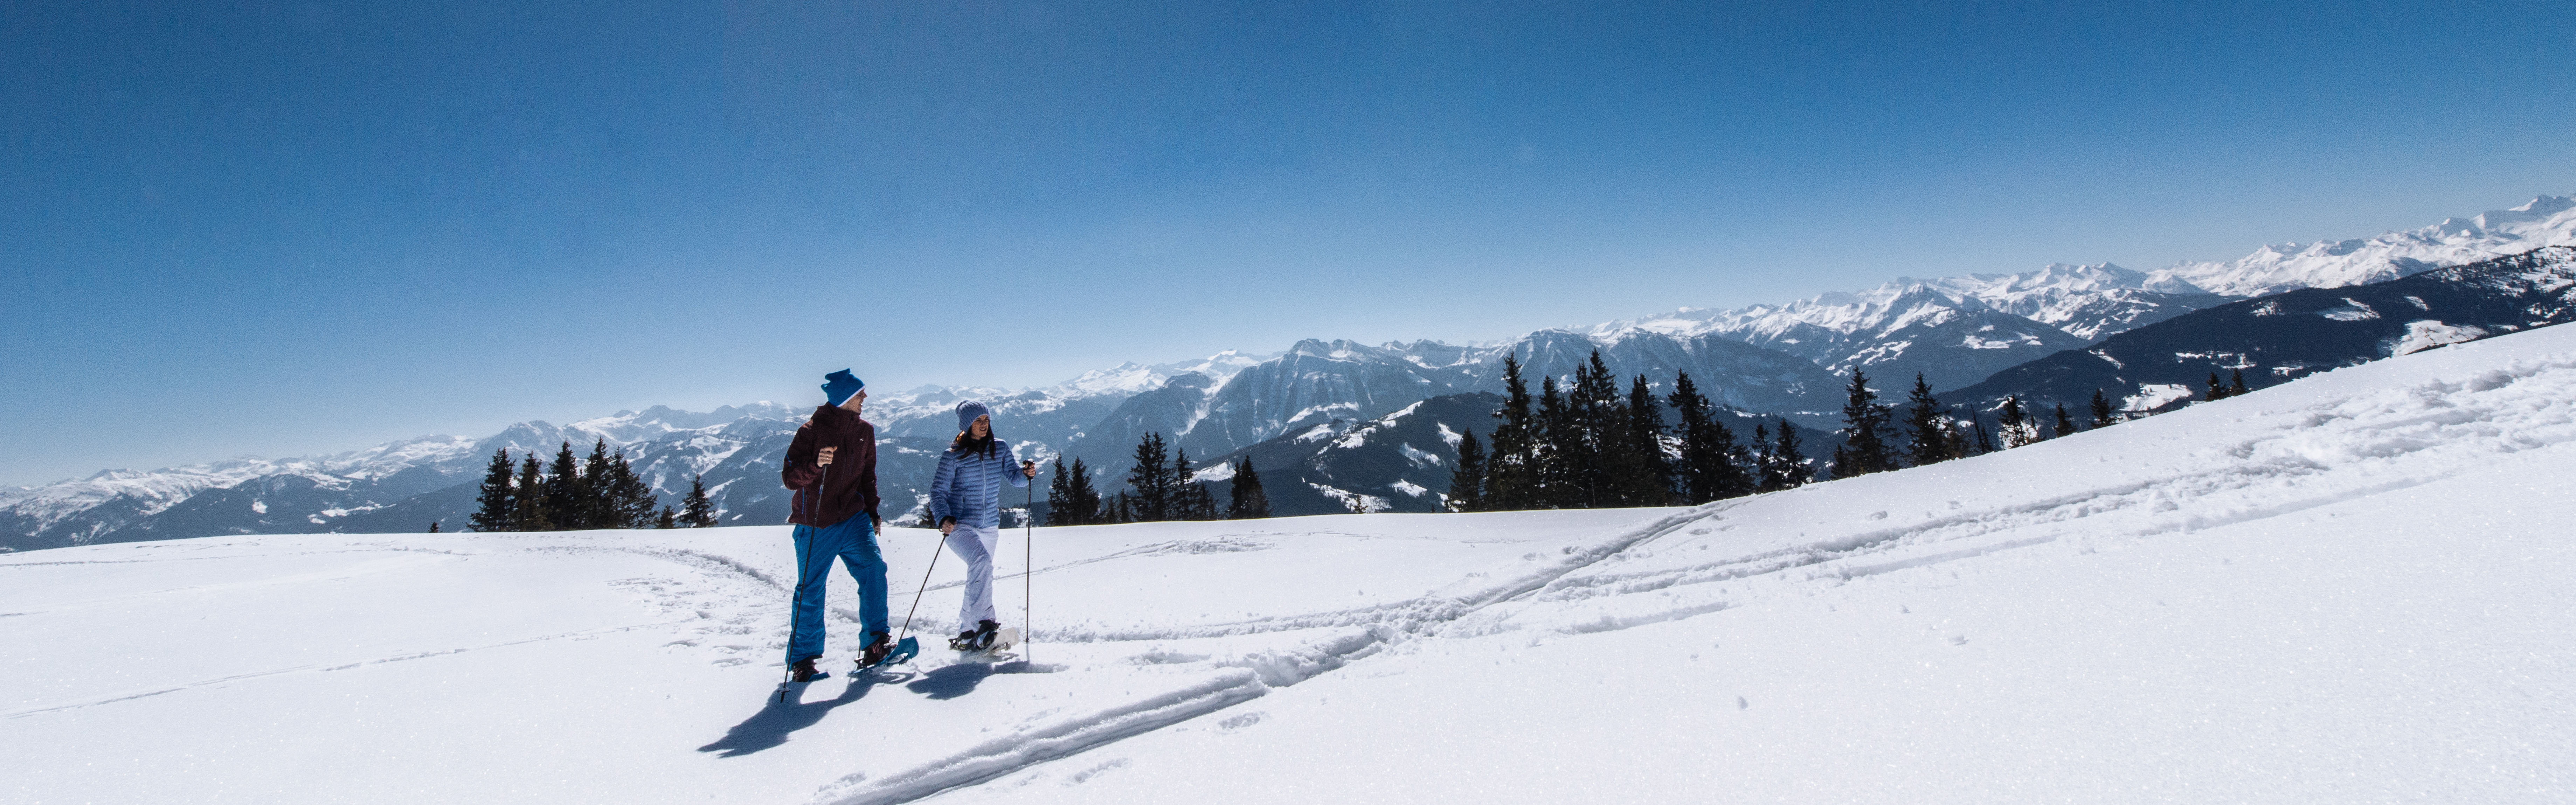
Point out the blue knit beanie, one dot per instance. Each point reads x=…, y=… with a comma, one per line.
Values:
x=838, y=386
x=967, y=412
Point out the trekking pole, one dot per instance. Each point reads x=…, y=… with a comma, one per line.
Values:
x=1028, y=550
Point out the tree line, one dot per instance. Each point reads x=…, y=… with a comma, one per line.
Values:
x=1160, y=488
x=1588, y=446
x=601, y=492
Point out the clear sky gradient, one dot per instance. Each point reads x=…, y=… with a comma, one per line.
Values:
x=287, y=227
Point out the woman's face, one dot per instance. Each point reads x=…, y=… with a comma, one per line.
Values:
x=983, y=427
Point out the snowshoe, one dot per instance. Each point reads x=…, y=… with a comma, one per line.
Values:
x=882, y=653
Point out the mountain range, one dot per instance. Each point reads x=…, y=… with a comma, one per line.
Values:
x=1978, y=335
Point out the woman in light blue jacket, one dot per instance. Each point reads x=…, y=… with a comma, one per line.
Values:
x=966, y=502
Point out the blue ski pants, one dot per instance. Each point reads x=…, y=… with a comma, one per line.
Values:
x=856, y=544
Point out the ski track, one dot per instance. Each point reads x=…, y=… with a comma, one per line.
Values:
x=1259, y=673
x=2376, y=434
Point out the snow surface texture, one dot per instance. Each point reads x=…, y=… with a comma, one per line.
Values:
x=2354, y=587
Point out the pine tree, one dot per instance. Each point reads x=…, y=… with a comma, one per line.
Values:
x=1060, y=508
x=1985, y=439
x=567, y=501
x=2236, y=382
x=1087, y=506
x=696, y=511
x=668, y=519
x=1248, y=501
x=1559, y=438
x=2065, y=424
x=492, y=499
x=2101, y=410
x=1190, y=499
x=630, y=501
x=1712, y=464
x=1466, y=480
x=2017, y=427
x=1151, y=481
x=528, y=505
x=1511, y=470
x=2217, y=390
x=1761, y=452
x=433, y=526
x=1787, y=463
x=1927, y=426
x=599, y=490
x=1648, y=476
x=1865, y=429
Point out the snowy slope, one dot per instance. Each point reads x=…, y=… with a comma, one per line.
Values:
x=2353, y=587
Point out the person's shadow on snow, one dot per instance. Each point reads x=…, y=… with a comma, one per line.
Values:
x=952, y=681
x=771, y=726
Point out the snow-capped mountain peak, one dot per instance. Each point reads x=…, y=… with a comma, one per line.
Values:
x=2544, y=221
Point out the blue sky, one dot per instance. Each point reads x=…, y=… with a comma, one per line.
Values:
x=284, y=228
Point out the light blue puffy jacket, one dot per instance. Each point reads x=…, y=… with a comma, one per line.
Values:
x=969, y=485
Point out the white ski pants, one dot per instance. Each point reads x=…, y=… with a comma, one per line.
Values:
x=975, y=545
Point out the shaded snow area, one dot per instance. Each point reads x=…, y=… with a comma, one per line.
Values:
x=2355, y=587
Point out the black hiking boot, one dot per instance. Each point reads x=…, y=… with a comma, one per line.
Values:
x=803, y=672
x=979, y=638
x=878, y=645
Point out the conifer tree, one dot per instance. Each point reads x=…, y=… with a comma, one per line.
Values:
x=1788, y=468
x=528, y=505
x=433, y=526
x=2065, y=424
x=1712, y=466
x=567, y=503
x=1511, y=469
x=668, y=519
x=1985, y=439
x=1150, y=482
x=1190, y=499
x=1248, y=501
x=599, y=490
x=1087, y=505
x=2016, y=426
x=2101, y=410
x=492, y=499
x=1865, y=429
x=627, y=500
x=1927, y=426
x=1060, y=508
x=2236, y=382
x=1648, y=471
x=1559, y=435
x=696, y=511
x=2217, y=390
x=1761, y=451
x=1466, y=480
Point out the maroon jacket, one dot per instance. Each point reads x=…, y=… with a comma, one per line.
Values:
x=849, y=486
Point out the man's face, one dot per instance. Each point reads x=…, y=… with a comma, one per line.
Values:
x=855, y=399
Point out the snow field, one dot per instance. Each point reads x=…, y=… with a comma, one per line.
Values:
x=2357, y=587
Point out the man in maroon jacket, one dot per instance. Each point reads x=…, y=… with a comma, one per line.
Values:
x=832, y=465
